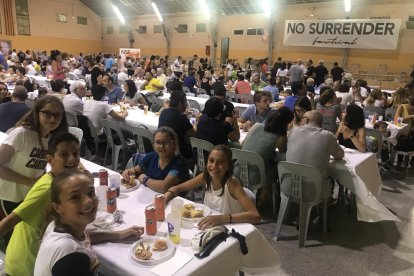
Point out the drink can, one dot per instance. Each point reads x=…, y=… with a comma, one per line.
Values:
x=111, y=200
x=103, y=177
x=150, y=220
x=159, y=207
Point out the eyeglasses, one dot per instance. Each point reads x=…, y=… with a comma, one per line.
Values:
x=164, y=143
x=49, y=115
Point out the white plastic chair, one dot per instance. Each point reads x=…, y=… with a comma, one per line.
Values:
x=378, y=135
x=71, y=119
x=96, y=139
x=246, y=158
x=77, y=132
x=110, y=126
x=141, y=133
x=201, y=146
x=205, y=96
x=194, y=104
x=307, y=194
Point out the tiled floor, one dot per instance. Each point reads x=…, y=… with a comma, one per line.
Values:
x=352, y=247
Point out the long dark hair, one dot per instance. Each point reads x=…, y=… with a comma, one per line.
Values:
x=31, y=119
x=304, y=103
x=354, y=118
x=132, y=88
x=229, y=156
x=278, y=121
x=326, y=96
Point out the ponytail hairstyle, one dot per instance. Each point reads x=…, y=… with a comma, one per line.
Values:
x=229, y=156
x=327, y=96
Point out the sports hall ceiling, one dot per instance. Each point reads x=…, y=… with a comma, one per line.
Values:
x=225, y=7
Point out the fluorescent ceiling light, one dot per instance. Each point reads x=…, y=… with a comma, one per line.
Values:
x=157, y=12
x=347, y=4
x=205, y=9
x=118, y=13
x=266, y=7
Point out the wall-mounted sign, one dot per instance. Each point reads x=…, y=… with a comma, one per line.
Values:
x=346, y=33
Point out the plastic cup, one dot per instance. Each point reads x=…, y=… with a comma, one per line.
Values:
x=380, y=118
x=145, y=109
x=399, y=120
x=177, y=206
x=115, y=182
x=174, y=227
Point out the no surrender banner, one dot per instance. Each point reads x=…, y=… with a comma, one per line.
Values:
x=345, y=33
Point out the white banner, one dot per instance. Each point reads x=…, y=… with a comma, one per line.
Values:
x=129, y=52
x=345, y=33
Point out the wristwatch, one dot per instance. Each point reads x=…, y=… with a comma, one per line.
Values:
x=144, y=180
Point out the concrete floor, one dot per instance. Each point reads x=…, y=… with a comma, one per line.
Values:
x=352, y=247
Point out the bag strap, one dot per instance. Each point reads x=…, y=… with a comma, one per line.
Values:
x=242, y=241
x=211, y=245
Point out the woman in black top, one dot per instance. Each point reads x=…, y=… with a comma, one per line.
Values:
x=351, y=131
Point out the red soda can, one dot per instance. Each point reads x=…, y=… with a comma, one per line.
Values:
x=150, y=221
x=159, y=207
x=111, y=200
x=103, y=177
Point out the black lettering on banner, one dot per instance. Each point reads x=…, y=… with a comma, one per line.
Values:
x=389, y=27
x=329, y=27
x=312, y=28
x=346, y=28
x=124, y=52
x=379, y=28
x=368, y=31
x=296, y=28
x=334, y=41
x=338, y=27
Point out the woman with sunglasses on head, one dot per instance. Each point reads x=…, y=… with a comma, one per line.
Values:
x=23, y=152
x=302, y=106
x=163, y=168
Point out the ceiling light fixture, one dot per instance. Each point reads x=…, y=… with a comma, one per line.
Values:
x=266, y=7
x=157, y=12
x=118, y=14
x=347, y=4
x=205, y=8
x=312, y=12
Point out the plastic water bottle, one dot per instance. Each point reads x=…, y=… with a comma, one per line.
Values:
x=106, y=99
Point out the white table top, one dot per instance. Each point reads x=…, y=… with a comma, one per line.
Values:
x=226, y=259
x=200, y=101
x=359, y=172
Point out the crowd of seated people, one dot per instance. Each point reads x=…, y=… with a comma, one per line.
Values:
x=335, y=116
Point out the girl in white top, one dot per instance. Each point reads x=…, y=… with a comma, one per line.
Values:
x=23, y=152
x=66, y=246
x=224, y=193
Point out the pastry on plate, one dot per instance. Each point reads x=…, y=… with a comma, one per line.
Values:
x=159, y=245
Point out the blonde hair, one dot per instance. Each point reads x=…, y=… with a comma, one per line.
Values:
x=375, y=94
x=400, y=96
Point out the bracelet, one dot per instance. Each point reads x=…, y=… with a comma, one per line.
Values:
x=171, y=192
x=144, y=180
x=230, y=218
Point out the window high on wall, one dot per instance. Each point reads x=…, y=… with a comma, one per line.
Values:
x=22, y=17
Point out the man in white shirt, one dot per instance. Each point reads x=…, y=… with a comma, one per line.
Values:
x=96, y=110
x=161, y=76
x=73, y=102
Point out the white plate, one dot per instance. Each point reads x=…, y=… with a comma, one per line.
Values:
x=157, y=256
x=206, y=212
x=125, y=190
